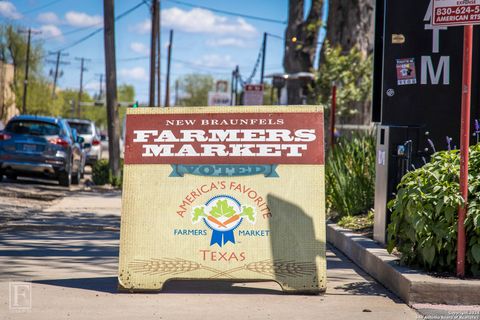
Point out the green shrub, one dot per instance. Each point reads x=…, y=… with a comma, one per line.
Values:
x=358, y=223
x=350, y=175
x=424, y=218
x=101, y=174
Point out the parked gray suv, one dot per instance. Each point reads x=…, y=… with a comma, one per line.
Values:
x=91, y=136
x=40, y=146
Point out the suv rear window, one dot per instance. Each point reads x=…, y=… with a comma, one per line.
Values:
x=36, y=128
x=82, y=128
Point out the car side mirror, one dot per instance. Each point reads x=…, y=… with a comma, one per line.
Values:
x=74, y=135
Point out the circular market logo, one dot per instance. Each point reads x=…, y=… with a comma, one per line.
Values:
x=223, y=214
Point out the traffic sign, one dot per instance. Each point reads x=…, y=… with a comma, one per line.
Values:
x=456, y=12
x=219, y=99
x=253, y=95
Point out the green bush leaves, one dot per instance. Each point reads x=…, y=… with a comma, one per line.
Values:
x=350, y=175
x=423, y=224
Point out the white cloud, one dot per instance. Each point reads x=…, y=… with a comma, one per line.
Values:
x=215, y=60
x=135, y=73
x=48, y=18
x=94, y=86
x=205, y=21
x=227, y=42
x=8, y=10
x=143, y=27
x=139, y=48
x=200, y=21
x=81, y=19
x=50, y=30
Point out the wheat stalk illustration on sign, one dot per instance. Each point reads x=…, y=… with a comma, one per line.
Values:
x=178, y=266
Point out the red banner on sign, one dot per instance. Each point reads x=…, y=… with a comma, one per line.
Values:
x=226, y=138
x=455, y=12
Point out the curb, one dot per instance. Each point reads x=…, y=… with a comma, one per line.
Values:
x=412, y=286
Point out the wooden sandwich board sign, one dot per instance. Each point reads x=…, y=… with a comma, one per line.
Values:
x=224, y=193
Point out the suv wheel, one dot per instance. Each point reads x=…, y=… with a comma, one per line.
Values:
x=65, y=178
x=76, y=177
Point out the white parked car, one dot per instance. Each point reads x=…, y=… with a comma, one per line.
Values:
x=91, y=135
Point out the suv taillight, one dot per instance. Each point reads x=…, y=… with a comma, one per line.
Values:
x=58, y=141
x=95, y=142
x=4, y=136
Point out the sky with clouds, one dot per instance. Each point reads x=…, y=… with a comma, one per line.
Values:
x=204, y=42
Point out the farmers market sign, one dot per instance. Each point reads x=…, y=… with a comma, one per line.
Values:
x=231, y=195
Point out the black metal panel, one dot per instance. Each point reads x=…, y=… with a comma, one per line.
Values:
x=378, y=62
x=434, y=101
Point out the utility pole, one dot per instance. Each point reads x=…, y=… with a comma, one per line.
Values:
x=57, y=63
x=232, y=87
x=237, y=72
x=159, y=56
x=111, y=81
x=176, y=92
x=153, y=52
x=167, y=89
x=25, y=81
x=80, y=91
x=72, y=108
x=100, y=86
x=264, y=50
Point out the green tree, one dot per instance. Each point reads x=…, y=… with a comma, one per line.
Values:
x=13, y=49
x=126, y=93
x=194, y=89
x=98, y=114
x=352, y=74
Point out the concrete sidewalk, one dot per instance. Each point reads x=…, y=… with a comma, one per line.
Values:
x=79, y=210
x=73, y=276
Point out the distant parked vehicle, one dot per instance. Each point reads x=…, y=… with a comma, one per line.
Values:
x=83, y=159
x=40, y=146
x=91, y=135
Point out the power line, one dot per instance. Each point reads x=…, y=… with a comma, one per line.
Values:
x=247, y=16
x=275, y=36
x=100, y=29
x=70, y=32
x=41, y=7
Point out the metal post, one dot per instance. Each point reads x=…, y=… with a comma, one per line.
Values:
x=176, y=92
x=464, y=146
x=159, y=57
x=332, y=116
x=153, y=52
x=80, y=91
x=231, y=87
x=25, y=82
x=167, y=89
x=264, y=50
x=272, y=92
x=237, y=71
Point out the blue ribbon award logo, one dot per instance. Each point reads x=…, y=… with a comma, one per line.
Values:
x=223, y=214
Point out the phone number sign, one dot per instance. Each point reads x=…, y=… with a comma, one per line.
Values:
x=456, y=12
